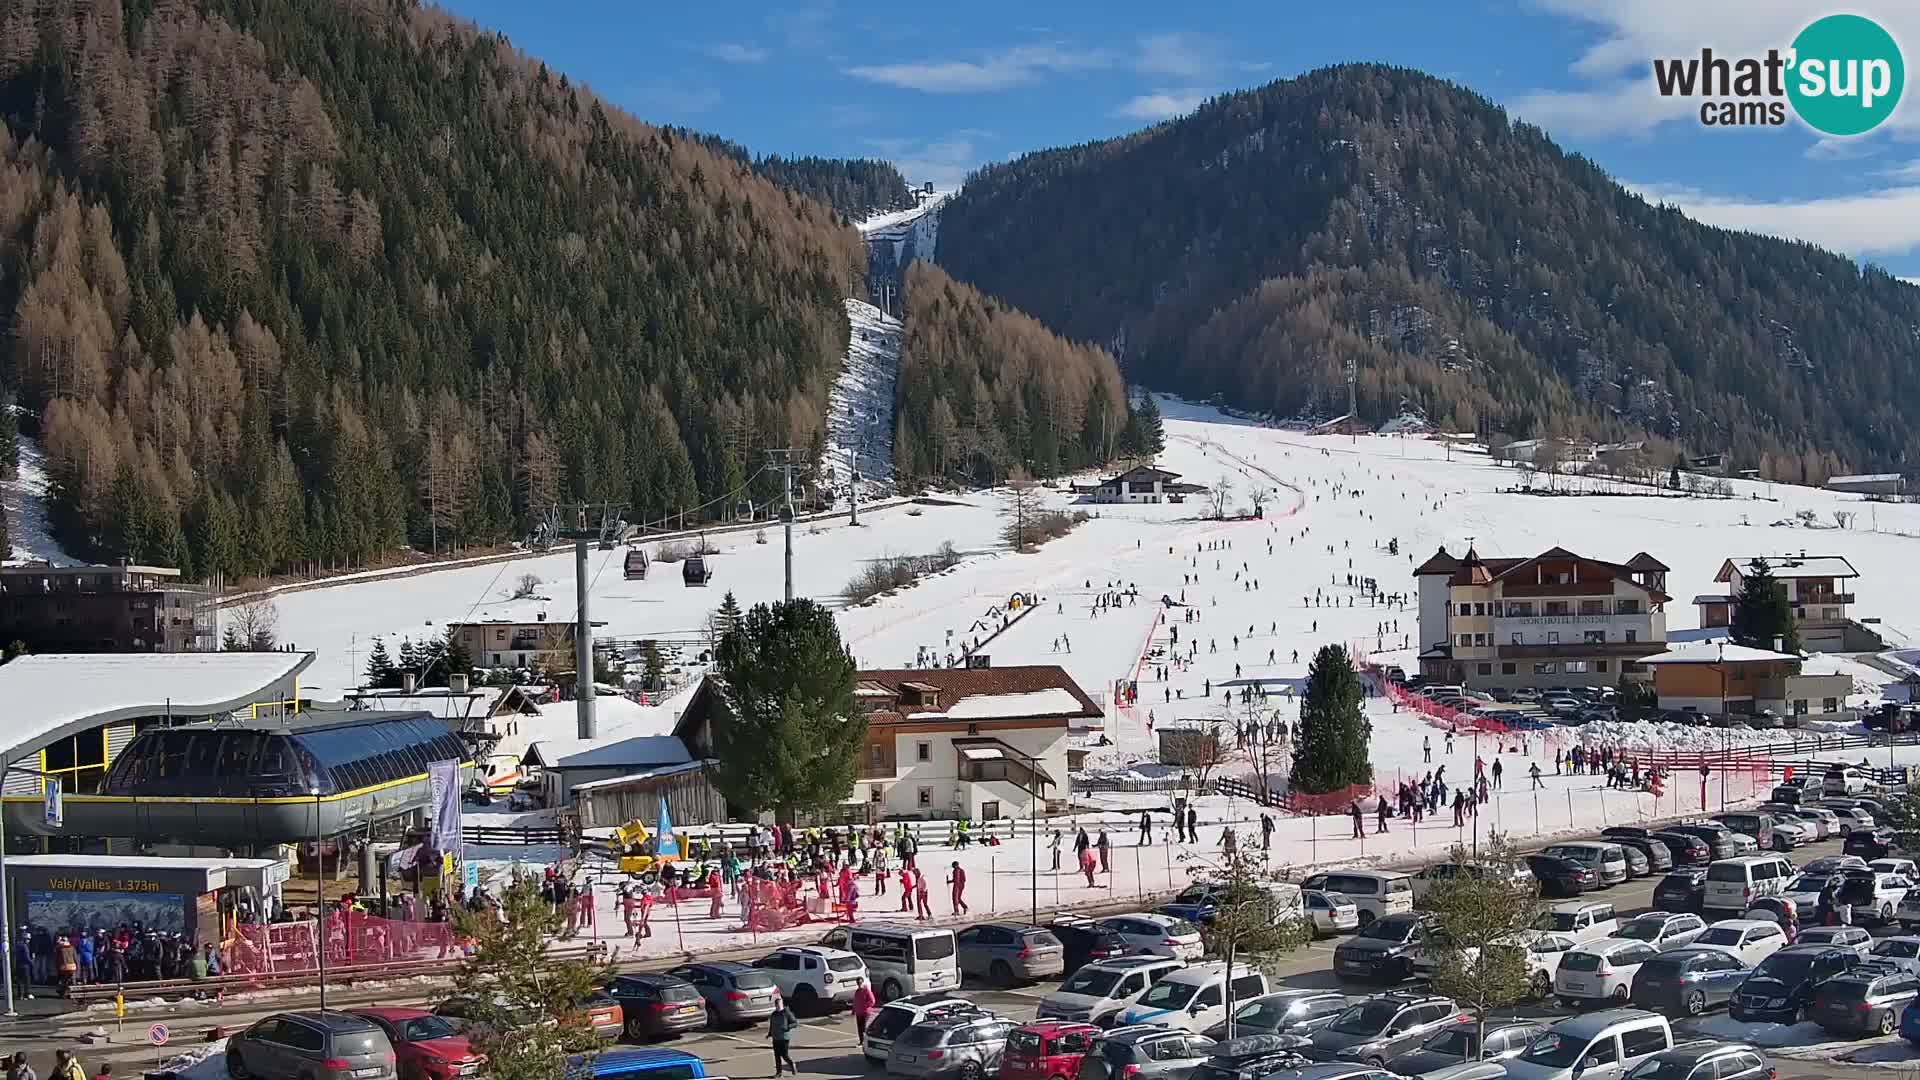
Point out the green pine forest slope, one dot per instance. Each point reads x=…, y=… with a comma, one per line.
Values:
x=1468, y=266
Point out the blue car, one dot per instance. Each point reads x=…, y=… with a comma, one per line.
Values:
x=1910, y=1023
x=1195, y=903
x=644, y=1063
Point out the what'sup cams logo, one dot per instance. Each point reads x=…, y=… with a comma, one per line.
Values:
x=1842, y=76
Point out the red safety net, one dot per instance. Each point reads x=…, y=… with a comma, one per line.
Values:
x=1331, y=802
x=352, y=938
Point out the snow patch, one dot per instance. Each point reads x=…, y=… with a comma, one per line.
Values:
x=1053, y=702
x=860, y=424
x=25, y=497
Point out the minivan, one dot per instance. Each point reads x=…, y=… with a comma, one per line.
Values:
x=1733, y=884
x=1377, y=893
x=1194, y=998
x=1597, y=1046
x=1844, y=780
x=1579, y=921
x=1603, y=857
x=900, y=959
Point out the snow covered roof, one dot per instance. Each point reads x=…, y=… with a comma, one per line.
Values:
x=1704, y=653
x=65, y=693
x=996, y=693
x=608, y=753
x=1864, y=478
x=644, y=774
x=1790, y=566
x=1053, y=702
x=1713, y=598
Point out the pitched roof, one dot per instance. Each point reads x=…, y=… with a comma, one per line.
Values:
x=1644, y=561
x=1790, y=566
x=1029, y=685
x=640, y=750
x=1438, y=563
x=1147, y=471
x=1711, y=653
x=1473, y=570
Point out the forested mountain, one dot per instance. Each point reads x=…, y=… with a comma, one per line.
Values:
x=289, y=285
x=857, y=187
x=1467, y=264
x=984, y=388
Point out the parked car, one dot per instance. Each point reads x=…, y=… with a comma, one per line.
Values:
x=311, y=1045
x=1687, y=849
x=1658, y=855
x=735, y=993
x=1543, y=953
x=1604, y=857
x=1845, y=780
x=1046, y=1050
x=1833, y=864
x=1664, y=931
x=1681, y=890
x=639, y=1063
x=1601, y=971
x=1007, y=953
x=1733, y=884
x=1865, y=1001
x=1899, y=949
x=1717, y=837
x=1195, y=998
x=1249, y=1057
x=1155, y=934
x=1852, y=816
x=1782, y=984
x=1874, y=843
x=1096, y=993
x=657, y=1006
x=1825, y=822
x=1384, y=950
x=1688, y=982
x=1906, y=868
x=425, y=1046
x=1144, y=1053
x=813, y=976
x=1461, y=1042
x=1382, y=1027
x=1845, y=937
x=1752, y=823
x=1582, y=921
x=1330, y=912
x=1596, y=1046
x=965, y=1045
x=891, y=1020
x=1283, y=1012
x=1561, y=877
x=1789, y=832
x=1638, y=865
x=1377, y=893
x=1085, y=941
x=1751, y=940
x=1705, y=1059
x=1427, y=877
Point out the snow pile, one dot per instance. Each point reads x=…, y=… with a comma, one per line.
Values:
x=861, y=402
x=1053, y=702
x=1648, y=737
x=25, y=497
x=205, y=1062
x=1808, y=1039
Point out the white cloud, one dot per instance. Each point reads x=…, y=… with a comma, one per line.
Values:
x=1014, y=66
x=1180, y=55
x=735, y=52
x=804, y=29
x=1162, y=104
x=1882, y=222
x=945, y=160
x=1635, y=32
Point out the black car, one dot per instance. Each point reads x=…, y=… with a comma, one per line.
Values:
x=1864, y=1001
x=1459, y=1043
x=1869, y=844
x=1687, y=849
x=1384, y=1027
x=1684, y=889
x=1086, y=942
x=1561, y=877
x=1659, y=855
x=1783, y=984
x=654, y=1006
x=1717, y=837
x=1688, y=982
x=1250, y=1057
x=1384, y=950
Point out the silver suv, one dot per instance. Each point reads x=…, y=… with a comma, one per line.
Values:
x=965, y=1045
x=311, y=1046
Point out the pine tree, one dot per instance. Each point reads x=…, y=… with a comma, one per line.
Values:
x=509, y=975
x=1331, y=752
x=1762, y=614
x=409, y=658
x=789, y=737
x=459, y=661
x=653, y=668
x=1152, y=437
x=380, y=671
x=6, y=535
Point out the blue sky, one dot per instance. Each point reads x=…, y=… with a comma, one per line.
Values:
x=941, y=88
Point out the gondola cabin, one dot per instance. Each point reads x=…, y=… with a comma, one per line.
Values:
x=636, y=564
x=695, y=571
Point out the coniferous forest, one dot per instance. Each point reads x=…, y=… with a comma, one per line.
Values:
x=289, y=286
x=1471, y=269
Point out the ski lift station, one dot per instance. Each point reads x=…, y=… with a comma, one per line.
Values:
x=201, y=753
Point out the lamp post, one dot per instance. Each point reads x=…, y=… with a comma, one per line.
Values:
x=1725, y=722
x=319, y=899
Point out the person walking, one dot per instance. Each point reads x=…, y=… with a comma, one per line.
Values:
x=1534, y=770
x=1087, y=865
x=906, y=887
x=1193, y=825
x=1380, y=820
x=1426, y=748
x=1359, y=820
x=920, y=892
x=1146, y=828
x=957, y=880
x=1054, y=846
x=864, y=1004
x=1104, y=846
x=780, y=1032
x=1266, y=832
x=1498, y=769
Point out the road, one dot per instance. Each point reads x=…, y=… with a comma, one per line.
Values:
x=824, y=1046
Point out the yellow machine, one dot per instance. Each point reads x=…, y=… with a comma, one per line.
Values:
x=635, y=842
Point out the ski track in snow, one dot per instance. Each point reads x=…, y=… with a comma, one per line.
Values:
x=861, y=401
x=25, y=497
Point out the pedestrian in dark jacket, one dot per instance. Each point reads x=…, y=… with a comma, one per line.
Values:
x=780, y=1032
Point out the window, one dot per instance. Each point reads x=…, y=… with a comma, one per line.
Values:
x=1466, y=640
x=1641, y=1041
x=1479, y=609
x=1596, y=637
x=1831, y=705
x=1520, y=609
x=1509, y=669
x=1593, y=607
x=1829, y=613
x=1546, y=667
x=1799, y=706
x=874, y=754
x=926, y=796
x=1633, y=635
x=1519, y=638
x=1486, y=669
x=1553, y=637
x=500, y=635
x=1575, y=667
x=1626, y=607
x=876, y=796
x=990, y=809
x=1466, y=609
x=1600, y=666
x=1555, y=607
x=1480, y=640
x=923, y=751
x=1247, y=987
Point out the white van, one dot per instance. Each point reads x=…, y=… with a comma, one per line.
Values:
x=1194, y=998
x=900, y=959
x=1376, y=893
x=1097, y=992
x=1597, y=1046
x=1734, y=884
x=1608, y=860
x=1845, y=780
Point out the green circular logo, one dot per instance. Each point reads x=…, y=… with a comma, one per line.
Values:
x=1846, y=76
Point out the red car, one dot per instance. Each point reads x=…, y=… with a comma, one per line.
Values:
x=1046, y=1050
x=426, y=1046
